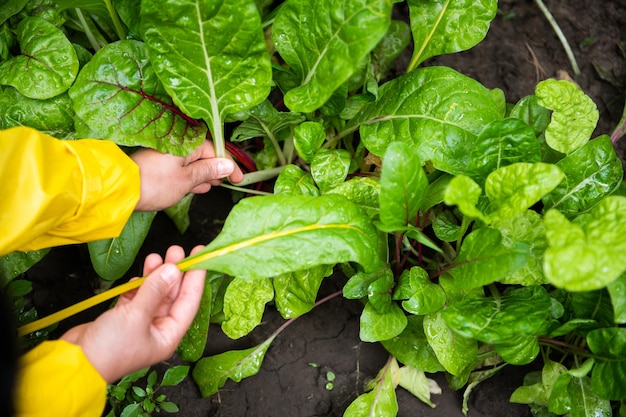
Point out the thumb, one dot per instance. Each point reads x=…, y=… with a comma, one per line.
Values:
x=206, y=170
x=156, y=287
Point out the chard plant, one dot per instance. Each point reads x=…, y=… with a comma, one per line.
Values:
x=478, y=233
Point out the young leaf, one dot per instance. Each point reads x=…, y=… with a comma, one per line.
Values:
x=402, y=185
x=575, y=397
x=244, y=305
x=323, y=41
x=380, y=401
x=111, y=258
x=358, y=285
x=484, y=259
x=454, y=352
x=296, y=292
x=48, y=64
x=330, y=167
x=463, y=192
x=448, y=26
x=440, y=111
x=597, y=246
x=608, y=378
x=395, y=41
x=211, y=62
x=574, y=114
x=292, y=180
x=515, y=188
x=265, y=122
x=617, y=290
x=212, y=372
x=179, y=213
x=376, y=326
x=307, y=138
x=529, y=111
x=174, y=375
x=592, y=172
x=422, y=296
x=294, y=232
x=520, y=350
x=119, y=97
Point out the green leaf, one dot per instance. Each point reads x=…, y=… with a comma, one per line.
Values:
x=330, y=167
x=9, y=8
x=53, y=116
x=169, y=407
x=592, y=172
x=463, y=192
x=529, y=111
x=454, y=351
x=617, y=290
x=15, y=263
x=211, y=63
x=48, y=64
x=362, y=191
x=515, y=188
x=412, y=348
x=520, y=350
x=395, y=41
x=271, y=235
x=575, y=397
x=484, y=259
x=179, y=213
x=422, y=296
x=119, y=97
x=358, y=285
x=296, y=292
x=402, y=186
x=244, y=305
x=192, y=345
x=211, y=373
x=265, y=122
x=537, y=390
x=132, y=410
x=521, y=312
x=376, y=326
x=380, y=401
x=323, y=41
x=448, y=26
x=446, y=226
x=608, y=378
x=597, y=245
x=292, y=180
x=501, y=143
x=175, y=375
x=307, y=138
x=415, y=381
x=111, y=258
x=440, y=111
x=574, y=114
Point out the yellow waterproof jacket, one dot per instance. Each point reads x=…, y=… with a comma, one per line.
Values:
x=55, y=192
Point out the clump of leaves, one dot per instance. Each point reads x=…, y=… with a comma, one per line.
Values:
x=128, y=398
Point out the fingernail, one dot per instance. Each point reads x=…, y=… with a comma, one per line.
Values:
x=224, y=168
x=169, y=273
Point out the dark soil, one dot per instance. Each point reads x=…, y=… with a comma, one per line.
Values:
x=520, y=50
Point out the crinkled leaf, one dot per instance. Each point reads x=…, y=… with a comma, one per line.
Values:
x=463, y=192
x=526, y=227
x=53, y=116
x=454, y=352
x=574, y=114
x=47, y=65
x=534, y=115
x=362, y=191
x=380, y=401
x=119, y=97
x=296, y=292
x=440, y=111
x=179, y=213
x=617, y=290
x=111, y=258
x=307, y=138
x=484, y=259
x=521, y=350
x=521, y=312
x=174, y=375
x=212, y=57
x=244, y=305
x=376, y=326
x=591, y=173
x=292, y=180
x=395, y=41
x=420, y=294
x=358, y=285
x=402, y=185
x=575, y=397
x=14, y=263
x=265, y=122
x=412, y=348
x=448, y=26
x=330, y=167
x=597, y=246
x=503, y=142
x=608, y=378
x=515, y=188
x=323, y=42
x=211, y=373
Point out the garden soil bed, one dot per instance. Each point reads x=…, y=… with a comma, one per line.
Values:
x=520, y=49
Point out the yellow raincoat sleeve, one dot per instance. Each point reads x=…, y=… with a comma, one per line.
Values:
x=57, y=380
x=58, y=192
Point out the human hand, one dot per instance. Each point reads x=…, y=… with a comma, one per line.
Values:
x=147, y=324
x=166, y=179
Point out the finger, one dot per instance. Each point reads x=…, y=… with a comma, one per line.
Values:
x=127, y=296
x=155, y=290
x=174, y=254
x=152, y=262
x=206, y=170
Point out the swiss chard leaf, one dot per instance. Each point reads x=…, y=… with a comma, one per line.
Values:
x=362, y=191
x=111, y=258
x=443, y=27
x=211, y=58
x=591, y=173
x=376, y=326
x=265, y=122
x=608, y=378
x=617, y=290
x=295, y=292
x=48, y=64
x=330, y=167
x=292, y=180
x=119, y=97
x=454, y=351
x=14, y=263
x=597, y=246
x=307, y=138
x=420, y=294
x=304, y=231
x=323, y=42
x=211, y=373
x=380, y=401
x=244, y=305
